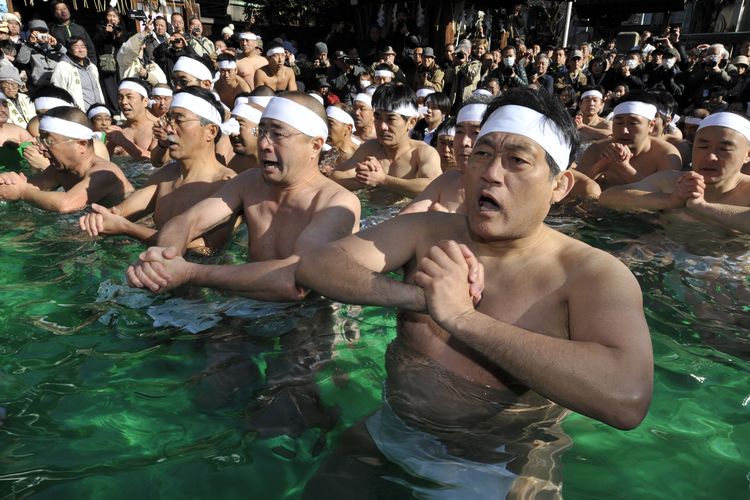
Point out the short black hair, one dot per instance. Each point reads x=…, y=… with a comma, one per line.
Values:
x=210, y=98
x=393, y=95
x=51, y=91
x=440, y=101
x=549, y=106
x=639, y=96
x=225, y=56
x=446, y=125
x=262, y=91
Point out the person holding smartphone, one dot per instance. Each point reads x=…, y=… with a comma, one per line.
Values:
x=39, y=54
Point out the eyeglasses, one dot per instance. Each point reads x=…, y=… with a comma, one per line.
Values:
x=273, y=135
x=178, y=120
x=48, y=142
x=183, y=82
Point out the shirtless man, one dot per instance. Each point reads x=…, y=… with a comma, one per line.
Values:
x=631, y=153
x=558, y=321
x=65, y=138
x=446, y=193
x=229, y=84
x=275, y=74
x=364, y=119
x=446, y=133
x=340, y=127
x=251, y=60
x=245, y=143
x=162, y=96
x=135, y=138
x=290, y=209
x=188, y=72
x=393, y=160
x=590, y=125
x=714, y=192
x=193, y=123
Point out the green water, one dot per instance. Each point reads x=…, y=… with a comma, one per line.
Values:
x=102, y=404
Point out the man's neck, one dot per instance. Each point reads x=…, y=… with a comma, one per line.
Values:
x=641, y=148
x=139, y=120
x=591, y=119
x=507, y=249
x=345, y=144
x=82, y=166
x=202, y=161
x=63, y=23
x=366, y=133
x=724, y=186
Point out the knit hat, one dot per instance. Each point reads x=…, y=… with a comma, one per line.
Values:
x=321, y=48
x=228, y=30
x=9, y=17
x=38, y=25
x=9, y=72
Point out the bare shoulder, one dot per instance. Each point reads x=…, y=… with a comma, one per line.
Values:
x=332, y=193
x=100, y=164
x=663, y=146
x=421, y=148
x=225, y=173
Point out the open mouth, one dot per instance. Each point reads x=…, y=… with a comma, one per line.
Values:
x=271, y=166
x=488, y=204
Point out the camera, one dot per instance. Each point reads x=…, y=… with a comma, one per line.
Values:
x=460, y=55
x=137, y=15
x=43, y=37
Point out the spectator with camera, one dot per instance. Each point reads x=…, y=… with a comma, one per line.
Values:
x=133, y=61
x=709, y=72
x=511, y=72
x=344, y=76
x=537, y=73
x=574, y=76
x=167, y=54
x=109, y=37
x=465, y=74
x=65, y=28
x=199, y=43
x=39, y=55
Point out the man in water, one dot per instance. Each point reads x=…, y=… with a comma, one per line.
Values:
x=250, y=61
x=65, y=138
x=631, y=153
x=364, y=120
x=135, y=138
x=558, y=321
x=290, y=209
x=392, y=161
x=274, y=74
x=245, y=143
x=446, y=193
x=714, y=192
x=340, y=128
x=590, y=125
x=194, y=125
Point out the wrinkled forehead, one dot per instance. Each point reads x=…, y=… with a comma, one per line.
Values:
x=723, y=135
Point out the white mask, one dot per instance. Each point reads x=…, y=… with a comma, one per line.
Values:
x=364, y=84
x=509, y=61
x=669, y=63
x=631, y=63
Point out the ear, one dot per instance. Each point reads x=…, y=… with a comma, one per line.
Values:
x=562, y=185
x=411, y=122
x=317, y=143
x=211, y=132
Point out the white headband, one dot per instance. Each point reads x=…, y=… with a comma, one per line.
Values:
x=403, y=110
x=317, y=98
x=450, y=131
x=728, y=120
x=339, y=114
x=241, y=100
x=227, y=64
x=643, y=109
x=364, y=99
x=135, y=87
x=98, y=110
x=204, y=109
x=65, y=128
x=193, y=67
x=275, y=50
x=528, y=123
x=297, y=116
x=249, y=36
x=247, y=112
x=162, y=92
x=49, y=103
x=483, y=92
x=260, y=100
x=424, y=92
x=471, y=113
x=592, y=93
x=691, y=120
x=384, y=72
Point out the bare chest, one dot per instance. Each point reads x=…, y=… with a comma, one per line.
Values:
x=174, y=198
x=273, y=230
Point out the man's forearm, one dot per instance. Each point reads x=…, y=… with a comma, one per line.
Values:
x=175, y=233
x=406, y=187
x=53, y=201
x=729, y=216
x=620, y=198
x=140, y=232
x=331, y=273
x=586, y=377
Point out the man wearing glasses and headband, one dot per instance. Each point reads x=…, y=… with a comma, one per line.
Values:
x=194, y=125
x=289, y=207
x=136, y=137
x=275, y=75
x=393, y=160
x=501, y=319
x=68, y=141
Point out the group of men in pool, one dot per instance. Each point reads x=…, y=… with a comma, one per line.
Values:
x=490, y=295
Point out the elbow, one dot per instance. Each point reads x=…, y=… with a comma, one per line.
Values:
x=628, y=410
x=303, y=274
x=68, y=206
